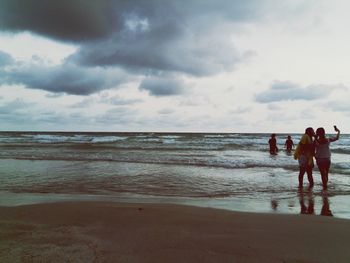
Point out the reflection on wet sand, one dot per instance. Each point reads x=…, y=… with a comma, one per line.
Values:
x=306, y=207
x=307, y=204
x=325, y=211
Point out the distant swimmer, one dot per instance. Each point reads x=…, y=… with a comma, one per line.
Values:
x=273, y=144
x=289, y=144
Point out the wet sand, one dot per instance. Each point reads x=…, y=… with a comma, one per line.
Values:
x=122, y=232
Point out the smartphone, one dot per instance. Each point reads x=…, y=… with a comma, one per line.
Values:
x=335, y=128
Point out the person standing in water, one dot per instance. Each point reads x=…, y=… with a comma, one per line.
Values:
x=304, y=153
x=273, y=144
x=323, y=153
x=289, y=144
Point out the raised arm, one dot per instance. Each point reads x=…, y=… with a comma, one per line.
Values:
x=337, y=136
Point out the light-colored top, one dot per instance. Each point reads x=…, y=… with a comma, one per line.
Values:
x=322, y=150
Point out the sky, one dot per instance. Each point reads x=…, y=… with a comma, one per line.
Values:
x=174, y=66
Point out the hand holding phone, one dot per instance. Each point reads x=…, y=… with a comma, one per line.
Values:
x=335, y=128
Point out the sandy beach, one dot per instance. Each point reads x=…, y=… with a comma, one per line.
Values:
x=122, y=232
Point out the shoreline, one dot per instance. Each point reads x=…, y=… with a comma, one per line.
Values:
x=306, y=202
x=143, y=232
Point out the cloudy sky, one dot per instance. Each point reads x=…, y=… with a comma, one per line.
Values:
x=184, y=65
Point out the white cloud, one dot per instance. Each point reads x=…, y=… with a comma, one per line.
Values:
x=285, y=90
x=23, y=45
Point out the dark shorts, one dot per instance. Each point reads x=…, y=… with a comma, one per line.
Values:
x=323, y=162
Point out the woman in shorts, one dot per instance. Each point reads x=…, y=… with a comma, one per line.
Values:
x=323, y=153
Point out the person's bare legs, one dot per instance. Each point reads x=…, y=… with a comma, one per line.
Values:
x=324, y=170
x=302, y=171
x=324, y=178
x=327, y=172
x=309, y=176
x=324, y=175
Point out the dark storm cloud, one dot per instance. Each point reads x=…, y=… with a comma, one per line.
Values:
x=284, y=91
x=142, y=36
x=145, y=38
x=167, y=37
x=67, y=20
x=67, y=78
x=191, y=55
x=162, y=86
x=86, y=20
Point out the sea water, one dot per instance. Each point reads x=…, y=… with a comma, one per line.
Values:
x=229, y=171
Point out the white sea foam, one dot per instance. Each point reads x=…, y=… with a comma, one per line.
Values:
x=106, y=139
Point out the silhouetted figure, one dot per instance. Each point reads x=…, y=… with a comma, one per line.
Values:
x=323, y=153
x=289, y=144
x=273, y=144
x=304, y=154
x=274, y=204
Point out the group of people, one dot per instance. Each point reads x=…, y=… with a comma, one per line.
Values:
x=312, y=145
x=289, y=144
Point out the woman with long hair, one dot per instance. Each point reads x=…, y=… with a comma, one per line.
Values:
x=304, y=153
x=323, y=153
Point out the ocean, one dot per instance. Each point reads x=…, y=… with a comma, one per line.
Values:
x=228, y=171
